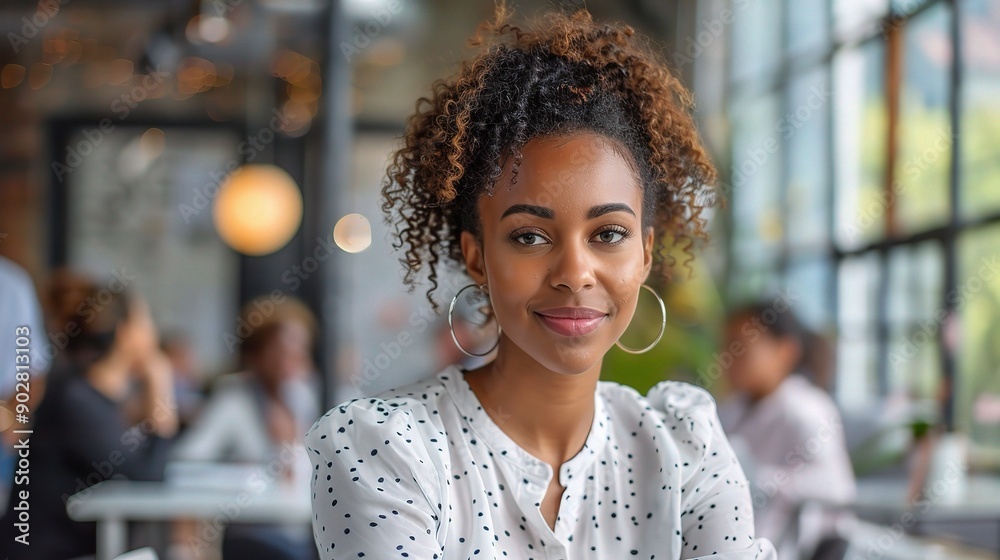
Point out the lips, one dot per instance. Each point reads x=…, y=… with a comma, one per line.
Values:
x=571, y=321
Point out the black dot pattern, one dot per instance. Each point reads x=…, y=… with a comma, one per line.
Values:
x=422, y=470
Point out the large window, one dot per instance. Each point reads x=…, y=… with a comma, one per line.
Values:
x=864, y=159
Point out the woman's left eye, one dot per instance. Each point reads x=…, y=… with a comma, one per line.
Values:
x=611, y=237
x=530, y=238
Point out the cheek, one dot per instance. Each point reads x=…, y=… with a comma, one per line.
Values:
x=513, y=281
x=626, y=291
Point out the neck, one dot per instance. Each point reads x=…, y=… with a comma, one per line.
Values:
x=547, y=413
x=767, y=389
x=110, y=376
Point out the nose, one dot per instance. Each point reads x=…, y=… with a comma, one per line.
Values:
x=572, y=268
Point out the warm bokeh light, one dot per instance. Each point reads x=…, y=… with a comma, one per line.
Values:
x=12, y=75
x=258, y=210
x=40, y=75
x=120, y=71
x=151, y=143
x=353, y=233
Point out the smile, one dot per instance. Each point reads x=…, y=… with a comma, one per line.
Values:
x=568, y=321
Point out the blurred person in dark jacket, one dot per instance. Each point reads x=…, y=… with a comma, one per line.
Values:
x=111, y=416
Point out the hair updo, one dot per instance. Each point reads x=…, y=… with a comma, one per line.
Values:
x=567, y=74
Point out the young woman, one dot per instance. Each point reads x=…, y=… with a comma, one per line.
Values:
x=551, y=169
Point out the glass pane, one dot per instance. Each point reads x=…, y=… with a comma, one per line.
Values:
x=749, y=283
x=807, y=25
x=804, y=130
x=860, y=129
x=978, y=300
x=756, y=175
x=808, y=279
x=915, y=318
x=756, y=44
x=903, y=8
x=857, y=378
x=857, y=382
x=980, y=148
x=921, y=174
x=850, y=15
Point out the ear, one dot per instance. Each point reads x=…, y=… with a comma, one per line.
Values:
x=647, y=252
x=472, y=251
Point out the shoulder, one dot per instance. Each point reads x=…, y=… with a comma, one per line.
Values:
x=684, y=414
x=400, y=422
x=76, y=391
x=14, y=276
x=672, y=400
x=806, y=405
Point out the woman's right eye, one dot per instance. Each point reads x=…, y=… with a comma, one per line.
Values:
x=528, y=239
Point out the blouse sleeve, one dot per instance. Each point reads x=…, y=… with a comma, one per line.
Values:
x=716, y=510
x=375, y=490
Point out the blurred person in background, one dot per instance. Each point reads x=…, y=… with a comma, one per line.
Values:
x=19, y=310
x=259, y=415
x=64, y=296
x=93, y=425
x=177, y=347
x=787, y=431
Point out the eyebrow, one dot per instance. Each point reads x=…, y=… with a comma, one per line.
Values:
x=602, y=209
x=540, y=211
x=543, y=212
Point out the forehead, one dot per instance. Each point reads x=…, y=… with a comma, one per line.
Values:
x=569, y=174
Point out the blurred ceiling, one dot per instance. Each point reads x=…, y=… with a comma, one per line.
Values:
x=223, y=58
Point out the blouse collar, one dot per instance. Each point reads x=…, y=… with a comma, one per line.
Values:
x=501, y=444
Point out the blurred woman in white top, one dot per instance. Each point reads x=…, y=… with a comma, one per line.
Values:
x=787, y=431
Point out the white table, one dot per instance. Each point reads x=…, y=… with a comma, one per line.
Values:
x=889, y=497
x=884, y=501
x=113, y=503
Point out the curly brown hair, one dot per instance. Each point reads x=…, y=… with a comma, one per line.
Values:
x=565, y=74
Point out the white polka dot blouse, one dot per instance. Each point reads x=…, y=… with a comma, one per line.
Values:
x=423, y=472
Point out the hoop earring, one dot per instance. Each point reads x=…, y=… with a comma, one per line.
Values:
x=451, y=326
x=663, y=326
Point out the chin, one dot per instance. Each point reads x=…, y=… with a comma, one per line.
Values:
x=569, y=360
